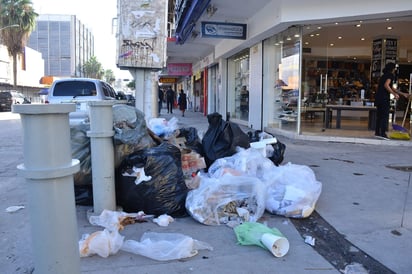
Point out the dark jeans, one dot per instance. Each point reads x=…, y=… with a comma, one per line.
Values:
x=170, y=105
x=382, y=118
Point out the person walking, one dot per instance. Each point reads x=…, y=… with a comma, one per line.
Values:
x=382, y=100
x=170, y=98
x=161, y=98
x=182, y=102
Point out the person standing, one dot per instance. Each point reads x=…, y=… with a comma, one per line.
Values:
x=170, y=98
x=382, y=100
x=182, y=102
x=161, y=98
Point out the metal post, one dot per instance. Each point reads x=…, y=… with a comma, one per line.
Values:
x=102, y=150
x=48, y=168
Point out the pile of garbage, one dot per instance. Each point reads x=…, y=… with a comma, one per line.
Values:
x=228, y=177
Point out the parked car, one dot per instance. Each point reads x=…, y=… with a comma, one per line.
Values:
x=120, y=95
x=80, y=91
x=9, y=97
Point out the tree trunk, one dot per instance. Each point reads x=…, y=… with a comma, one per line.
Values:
x=14, y=70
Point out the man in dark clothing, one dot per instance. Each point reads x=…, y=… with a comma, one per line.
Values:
x=170, y=98
x=161, y=98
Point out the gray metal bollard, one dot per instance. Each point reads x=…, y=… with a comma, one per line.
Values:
x=48, y=168
x=102, y=150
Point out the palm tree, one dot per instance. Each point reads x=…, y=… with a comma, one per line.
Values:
x=21, y=13
x=109, y=76
x=93, y=68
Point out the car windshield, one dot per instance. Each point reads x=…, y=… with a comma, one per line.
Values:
x=75, y=88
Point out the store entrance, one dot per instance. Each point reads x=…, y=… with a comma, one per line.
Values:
x=338, y=87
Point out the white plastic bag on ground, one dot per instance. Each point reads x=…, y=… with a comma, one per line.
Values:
x=102, y=243
x=292, y=191
x=165, y=246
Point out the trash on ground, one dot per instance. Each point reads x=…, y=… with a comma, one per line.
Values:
x=163, y=220
x=12, y=209
x=259, y=234
x=292, y=191
x=222, y=138
x=162, y=127
x=165, y=246
x=165, y=193
x=102, y=243
x=355, y=268
x=117, y=220
x=139, y=173
x=310, y=240
x=218, y=201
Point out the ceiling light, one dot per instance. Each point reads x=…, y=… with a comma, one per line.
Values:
x=389, y=28
x=319, y=27
x=296, y=35
x=312, y=35
x=288, y=38
x=339, y=37
x=362, y=39
x=331, y=44
x=358, y=25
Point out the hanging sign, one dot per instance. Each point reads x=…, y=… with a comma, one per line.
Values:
x=179, y=69
x=223, y=30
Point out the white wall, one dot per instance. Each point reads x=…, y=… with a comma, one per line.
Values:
x=28, y=77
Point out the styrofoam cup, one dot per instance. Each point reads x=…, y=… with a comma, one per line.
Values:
x=277, y=245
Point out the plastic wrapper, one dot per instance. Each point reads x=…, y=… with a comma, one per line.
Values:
x=162, y=127
x=102, y=243
x=165, y=246
x=222, y=138
x=164, y=193
x=80, y=145
x=131, y=132
x=248, y=162
x=229, y=198
x=292, y=191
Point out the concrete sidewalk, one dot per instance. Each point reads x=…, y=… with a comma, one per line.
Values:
x=365, y=197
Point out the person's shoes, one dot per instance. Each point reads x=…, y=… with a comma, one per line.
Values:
x=382, y=137
x=385, y=137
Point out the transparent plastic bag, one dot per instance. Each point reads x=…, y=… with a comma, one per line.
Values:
x=228, y=198
x=165, y=246
x=292, y=191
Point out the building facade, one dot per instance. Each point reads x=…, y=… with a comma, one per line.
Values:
x=64, y=42
x=306, y=67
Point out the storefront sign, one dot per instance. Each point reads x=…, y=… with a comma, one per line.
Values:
x=179, y=69
x=224, y=30
x=376, y=57
x=391, y=49
x=167, y=80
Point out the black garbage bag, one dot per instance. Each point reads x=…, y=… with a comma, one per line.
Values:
x=278, y=153
x=222, y=138
x=193, y=141
x=164, y=193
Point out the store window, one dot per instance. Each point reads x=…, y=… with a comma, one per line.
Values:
x=281, y=83
x=238, y=86
x=341, y=65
